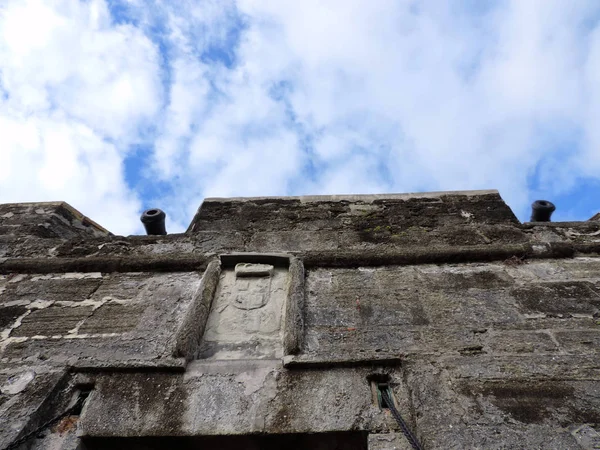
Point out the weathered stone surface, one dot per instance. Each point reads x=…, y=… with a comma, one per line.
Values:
x=487, y=330
x=51, y=288
x=62, y=317
x=559, y=298
x=579, y=341
x=261, y=396
x=191, y=331
x=25, y=411
x=51, y=321
x=399, y=212
x=505, y=409
x=9, y=314
x=17, y=383
x=519, y=342
x=587, y=437
x=113, y=318
x=46, y=220
x=388, y=441
x=246, y=318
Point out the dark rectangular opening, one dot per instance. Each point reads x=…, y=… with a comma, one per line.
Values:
x=81, y=395
x=351, y=440
x=277, y=260
x=381, y=390
x=383, y=394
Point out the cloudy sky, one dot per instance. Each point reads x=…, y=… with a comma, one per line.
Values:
x=120, y=105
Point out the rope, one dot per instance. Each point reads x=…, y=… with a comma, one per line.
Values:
x=69, y=412
x=414, y=442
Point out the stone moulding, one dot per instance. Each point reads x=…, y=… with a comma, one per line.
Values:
x=293, y=327
x=376, y=256
x=146, y=263
x=192, y=329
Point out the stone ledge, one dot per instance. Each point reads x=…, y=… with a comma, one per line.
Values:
x=98, y=264
x=161, y=365
x=69, y=220
x=365, y=198
x=374, y=256
x=328, y=361
x=591, y=224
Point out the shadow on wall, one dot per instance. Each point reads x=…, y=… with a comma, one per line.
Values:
x=320, y=441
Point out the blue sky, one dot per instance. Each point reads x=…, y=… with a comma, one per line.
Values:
x=120, y=105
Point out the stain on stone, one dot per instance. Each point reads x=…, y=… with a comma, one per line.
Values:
x=113, y=318
x=479, y=330
x=8, y=315
x=515, y=261
x=143, y=397
x=569, y=297
x=67, y=425
x=419, y=316
x=457, y=236
x=366, y=312
x=526, y=401
x=281, y=420
x=54, y=289
x=51, y=321
x=503, y=233
x=472, y=350
x=250, y=349
x=473, y=279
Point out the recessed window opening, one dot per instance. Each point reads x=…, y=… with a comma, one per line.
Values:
x=381, y=390
x=81, y=396
x=384, y=393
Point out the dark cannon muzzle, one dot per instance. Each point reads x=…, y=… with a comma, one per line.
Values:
x=154, y=222
x=541, y=210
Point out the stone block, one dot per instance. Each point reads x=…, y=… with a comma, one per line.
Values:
x=587, y=437
x=9, y=314
x=534, y=270
x=518, y=342
x=51, y=321
x=236, y=398
x=552, y=402
x=471, y=307
x=388, y=441
x=356, y=343
x=51, y=288
x=561, y=298
x=505, y=412
x=23, y=409
x=113, y=318
x=463, y=277
x=121, y=287
x=290, y=241
x=581, y=267
x=365, y=297
x=579, y=341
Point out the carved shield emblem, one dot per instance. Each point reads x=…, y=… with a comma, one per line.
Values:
x=253, y=285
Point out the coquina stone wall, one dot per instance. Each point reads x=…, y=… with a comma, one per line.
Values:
x=273, y=322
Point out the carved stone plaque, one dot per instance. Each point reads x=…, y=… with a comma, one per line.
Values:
x=246, y=317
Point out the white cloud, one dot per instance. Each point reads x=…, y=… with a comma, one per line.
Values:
x=273, y=97
x=455, y=100
x=77, y=87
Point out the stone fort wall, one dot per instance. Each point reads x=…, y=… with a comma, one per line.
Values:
x=274, y=322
